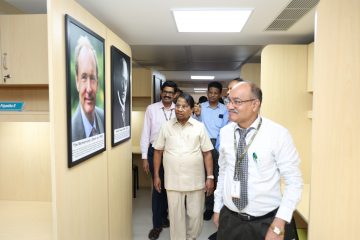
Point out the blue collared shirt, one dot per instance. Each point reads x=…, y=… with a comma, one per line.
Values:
x=213, y=118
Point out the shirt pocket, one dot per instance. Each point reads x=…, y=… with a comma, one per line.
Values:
x=190, y=143
x=264, y=161
x=218, y=121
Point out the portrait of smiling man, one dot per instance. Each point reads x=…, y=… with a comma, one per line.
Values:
x=88, y=119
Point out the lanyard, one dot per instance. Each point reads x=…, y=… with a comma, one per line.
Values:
x=239, y=158
x=167, y=119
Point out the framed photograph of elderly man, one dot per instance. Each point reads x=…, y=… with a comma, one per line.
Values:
x=85, y=73
x=120, y=96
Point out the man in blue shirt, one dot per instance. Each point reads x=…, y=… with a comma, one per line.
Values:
x=214, y=115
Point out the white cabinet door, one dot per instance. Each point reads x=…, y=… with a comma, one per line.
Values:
x=24, y=49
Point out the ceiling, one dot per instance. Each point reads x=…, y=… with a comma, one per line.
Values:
x=148, y=27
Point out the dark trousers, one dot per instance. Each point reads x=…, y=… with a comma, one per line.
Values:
x=159, y=200
x=209, y=200
x=232, y=226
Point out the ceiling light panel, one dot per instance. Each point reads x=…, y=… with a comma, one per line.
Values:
x=203, y=77
x=211, y=20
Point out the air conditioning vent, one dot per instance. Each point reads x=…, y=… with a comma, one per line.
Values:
x=295, y=10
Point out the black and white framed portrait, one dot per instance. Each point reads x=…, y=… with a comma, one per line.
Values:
x=157, y=82
x=120, y=96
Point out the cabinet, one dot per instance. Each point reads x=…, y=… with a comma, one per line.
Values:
x=141, y=82
x=36, y=103
x=24, y=49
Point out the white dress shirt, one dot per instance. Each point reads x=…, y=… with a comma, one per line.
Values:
x=271, y=156
x=155, y=116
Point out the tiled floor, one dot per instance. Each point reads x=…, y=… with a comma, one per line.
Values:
x=142, y=219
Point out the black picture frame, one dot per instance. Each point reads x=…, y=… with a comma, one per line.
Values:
x=157, y=82
x=120, y=96
x=85, y=90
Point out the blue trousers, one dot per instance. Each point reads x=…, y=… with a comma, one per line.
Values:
x=159, y=200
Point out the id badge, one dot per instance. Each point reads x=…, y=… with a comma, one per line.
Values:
x=235, y=189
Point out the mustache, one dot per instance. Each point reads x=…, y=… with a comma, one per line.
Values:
x=233, y=110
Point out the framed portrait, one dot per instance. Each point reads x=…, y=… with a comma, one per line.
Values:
x=120, y=96
x=157, y=82
x=85, y=86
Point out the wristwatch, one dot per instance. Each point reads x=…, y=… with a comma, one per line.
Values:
x=211, y=177
x=277, y=230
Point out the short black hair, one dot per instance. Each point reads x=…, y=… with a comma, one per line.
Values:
x=179, y=91
x=215, y=85
x=188, y=98
x=169, y=84
x=202, y=99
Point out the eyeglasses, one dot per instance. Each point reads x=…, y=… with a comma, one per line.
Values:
x=236, y=102
x=168, y=93
x=181, y=107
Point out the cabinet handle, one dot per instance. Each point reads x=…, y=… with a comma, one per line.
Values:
x=6, y=77
x=4, y=61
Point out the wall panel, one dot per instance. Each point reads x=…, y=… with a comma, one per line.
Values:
x=251, y=72
x=335, y=192
x=84, y=195
x=25, y=162
x=285, y=99
x=119, y=161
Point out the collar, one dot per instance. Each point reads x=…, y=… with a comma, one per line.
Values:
x=87, y=125
x=207, y=104
x=253, y=125
x=161, y=105
x=190, y=121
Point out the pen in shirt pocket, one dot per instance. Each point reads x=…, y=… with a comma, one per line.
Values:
x=255, y=157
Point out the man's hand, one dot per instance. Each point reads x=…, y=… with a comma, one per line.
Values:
x=209, y=186
x=270, y=235
x=157, y=183
x=197, y=109
x=216, y=219
x=145, y=164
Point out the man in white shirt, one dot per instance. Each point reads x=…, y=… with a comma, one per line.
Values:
x=186, y=147
x=156, y=114
x=248, y=200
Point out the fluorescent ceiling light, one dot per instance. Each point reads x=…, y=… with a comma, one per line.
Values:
x=211, y=20
x=200, y=89
x=203, y=77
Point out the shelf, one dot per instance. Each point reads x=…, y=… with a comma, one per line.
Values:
x=24, y=116
x=23, y=220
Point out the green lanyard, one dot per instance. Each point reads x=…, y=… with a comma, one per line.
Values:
x=239, y=158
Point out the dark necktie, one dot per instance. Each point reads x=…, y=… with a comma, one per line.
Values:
x=241, y=170
x=93, y=132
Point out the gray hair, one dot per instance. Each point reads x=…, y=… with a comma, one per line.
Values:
x=83, y=42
